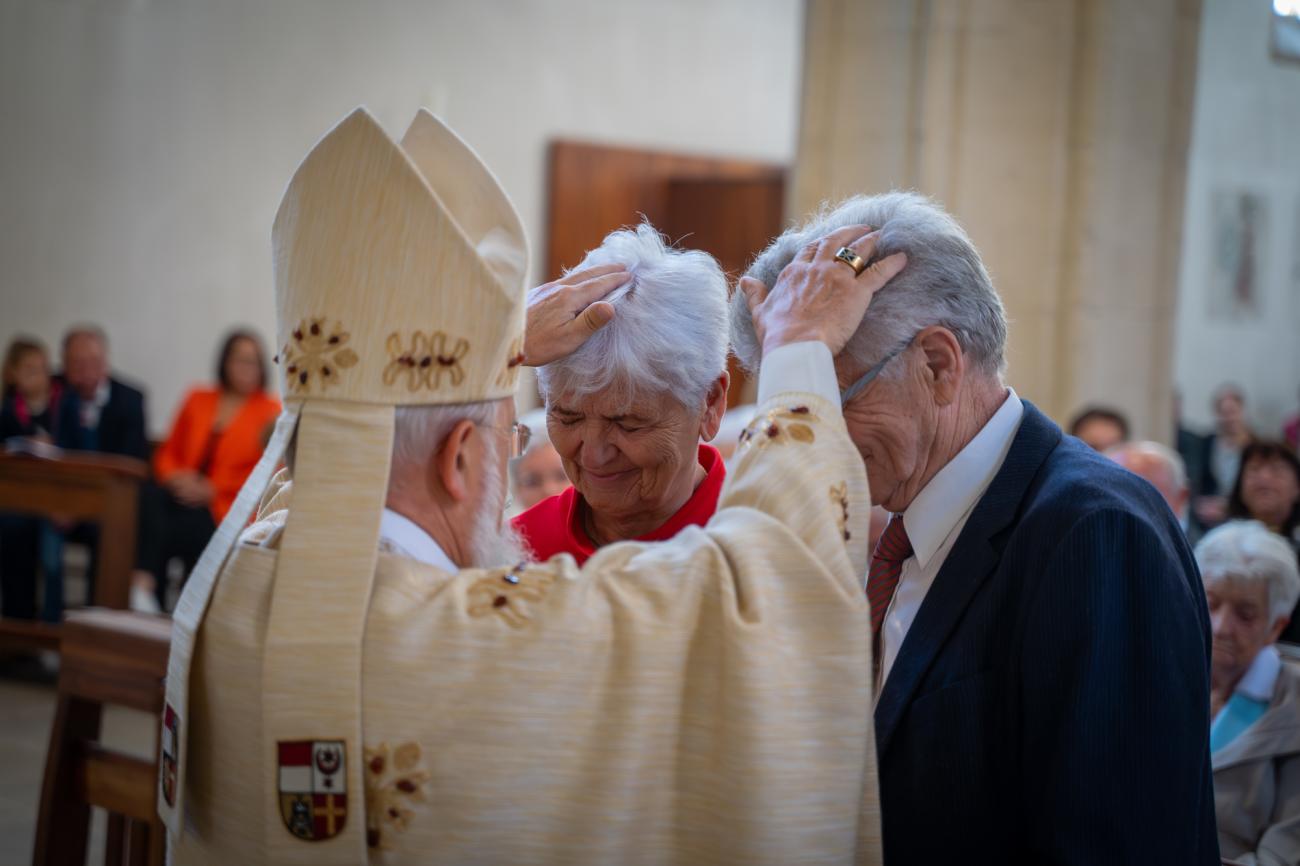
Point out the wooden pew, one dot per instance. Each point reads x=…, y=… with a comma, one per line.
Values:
x=109, y=657
x=84, y=486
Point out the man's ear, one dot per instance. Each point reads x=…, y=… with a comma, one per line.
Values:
x=1279, y=626
x=945, y=365
x=451, y=463
x=715, y=406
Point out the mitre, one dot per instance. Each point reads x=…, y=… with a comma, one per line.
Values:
x=399, y=270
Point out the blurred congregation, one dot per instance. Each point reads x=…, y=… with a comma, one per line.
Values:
x=1127, y=171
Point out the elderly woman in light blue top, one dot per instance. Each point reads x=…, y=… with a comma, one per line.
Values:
x=1251, y=584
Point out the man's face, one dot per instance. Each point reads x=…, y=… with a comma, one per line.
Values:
x=1157, y=472
x=85, y=364
x=1100, y=434
x=1240, y=624
x=626, y=460
x=892, y=423
x=1229, y=409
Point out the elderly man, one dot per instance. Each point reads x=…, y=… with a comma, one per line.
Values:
x=1043, y=639
x=1162, y=467
x=378, y=679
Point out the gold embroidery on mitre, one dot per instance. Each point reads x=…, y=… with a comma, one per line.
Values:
x=514, y=360
x=429, y=358
x=504, y=591
x=779, y=427
x=394, y=780
x=840, y=497
x=314, y=357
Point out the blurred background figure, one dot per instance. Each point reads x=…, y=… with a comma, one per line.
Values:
x=539, y=472
x=1291, y=432
x=1222, y=456
x=31, y=396
x=1251, y=585
x=1162, y=467
x=1268, y=490
x=1100, y=427
x=214, y=443
x=98, y=412
x=735, y=420
x=30, y=548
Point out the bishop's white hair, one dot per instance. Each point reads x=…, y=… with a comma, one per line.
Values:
x=669, y=334
x=1247, y=550
x=419, y=431
x=944, y=283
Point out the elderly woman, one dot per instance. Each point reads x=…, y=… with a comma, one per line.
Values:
x=627, y=412
x=1251, y=585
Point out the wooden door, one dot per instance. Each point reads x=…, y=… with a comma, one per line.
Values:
x=728, y=208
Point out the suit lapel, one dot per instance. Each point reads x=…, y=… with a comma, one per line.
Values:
x=972, y=558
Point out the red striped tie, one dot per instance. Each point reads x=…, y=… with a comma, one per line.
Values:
x=886, y=565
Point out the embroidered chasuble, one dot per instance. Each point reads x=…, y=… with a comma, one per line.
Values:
x=701, y=700
x=555, y=525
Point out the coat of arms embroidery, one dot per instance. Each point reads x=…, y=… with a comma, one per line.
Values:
x=170, y=749
x=313, y=787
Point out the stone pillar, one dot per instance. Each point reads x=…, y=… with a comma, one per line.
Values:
x=1056, y=131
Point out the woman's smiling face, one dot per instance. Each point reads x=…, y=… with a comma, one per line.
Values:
x=627, y=459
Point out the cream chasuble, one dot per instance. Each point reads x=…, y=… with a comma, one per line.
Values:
x=701, y=700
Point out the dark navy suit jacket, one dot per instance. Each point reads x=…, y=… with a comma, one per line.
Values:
x=1050, y=703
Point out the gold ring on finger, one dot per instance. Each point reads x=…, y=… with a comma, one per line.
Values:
x=852, y=259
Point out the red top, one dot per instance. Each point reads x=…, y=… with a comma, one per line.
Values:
x=554, y=525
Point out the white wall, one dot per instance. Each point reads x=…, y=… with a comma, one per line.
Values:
x=1245, y=136
x=144, y=144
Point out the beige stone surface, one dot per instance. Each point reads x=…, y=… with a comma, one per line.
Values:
x=1056, y=132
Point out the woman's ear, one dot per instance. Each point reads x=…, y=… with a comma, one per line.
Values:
x=715, y=406
x=451, y=463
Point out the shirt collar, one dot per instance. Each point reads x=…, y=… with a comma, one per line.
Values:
x=1261, y=677
x=102, y=393
x=401, y=536
x=955, y=489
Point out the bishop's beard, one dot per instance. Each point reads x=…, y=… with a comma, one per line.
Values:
x=493, y=541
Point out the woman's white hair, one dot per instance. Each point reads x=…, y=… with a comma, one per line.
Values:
x=1246, y=550
x=669, y=334
x=944, y=283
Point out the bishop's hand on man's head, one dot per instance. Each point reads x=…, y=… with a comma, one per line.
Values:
x=821, y=295
x=562, y=314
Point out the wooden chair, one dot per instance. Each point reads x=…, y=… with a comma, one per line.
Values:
x=108, y=657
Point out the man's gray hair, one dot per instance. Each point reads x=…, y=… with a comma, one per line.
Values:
x=1171, y=459
x=418, y=431
x=1247, y=550
x=669, y=334
x=944, y=283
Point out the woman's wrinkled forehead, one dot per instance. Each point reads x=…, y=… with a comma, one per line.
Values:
x=619, y=403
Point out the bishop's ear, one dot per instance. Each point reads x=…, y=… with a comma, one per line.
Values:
x=451, y=463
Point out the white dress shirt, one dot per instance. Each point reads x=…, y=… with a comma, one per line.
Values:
x=401, y=536
x=936, y=517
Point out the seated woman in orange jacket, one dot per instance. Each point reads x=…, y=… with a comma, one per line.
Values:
x=214, y=443
x=628, y=410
